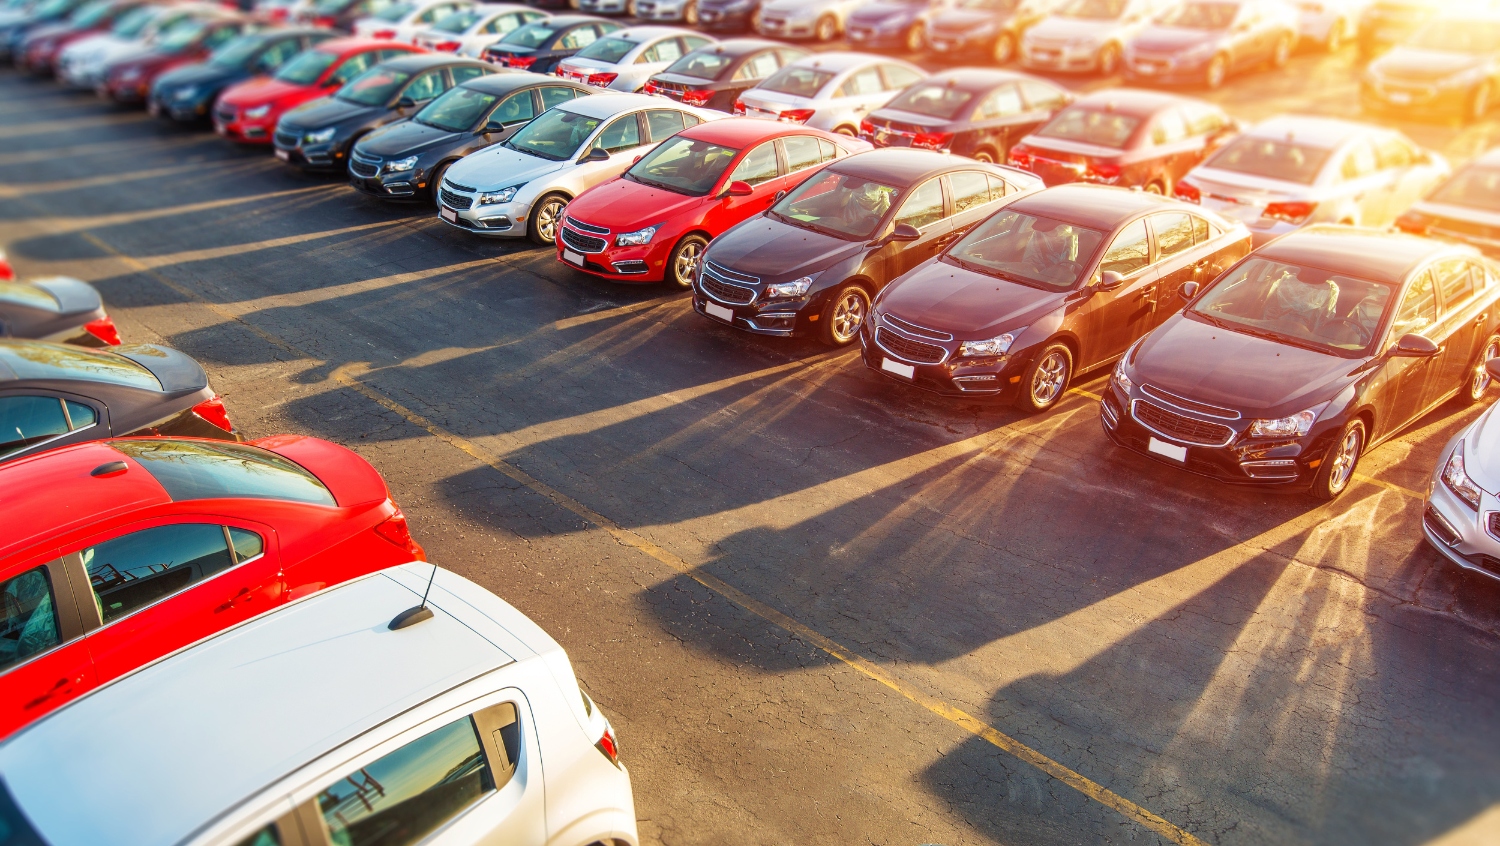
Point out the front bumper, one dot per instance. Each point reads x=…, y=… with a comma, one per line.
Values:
x=724, y=20
x=953, y=42
x=1414, y=99
x=782, y=318
x=500, y=220
x=788, y=28
x=643, y=264
x=996, y=378
x=648, y=11
x=190, y=110
x=1455, y=530
x=125, y=92
x=1165, y=70
x=327, y=156
x=1052, y=57
x=884, y=37
x=231, y=124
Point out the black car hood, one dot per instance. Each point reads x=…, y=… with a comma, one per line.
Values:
x=1262, y=378
x=971, y=305
x=774, y=250
x=74, y=296
x=1172, y=39
x=201, y=73
x=406, y=138
x=328, y=111
x=174, y=370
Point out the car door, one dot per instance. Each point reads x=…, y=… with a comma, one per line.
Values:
x=1460, y=329
x=509, y=115
x=44, y=659
x=1174, y=152
x=974, y=195
x=1185, y=252
x=1116, y=318
x=925, y=207
x=760, y=167
x=422, y=89
x=32, y=419
x=621, y=138
x=1403, y=388
x=803, y=155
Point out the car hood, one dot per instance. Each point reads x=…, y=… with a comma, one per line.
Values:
x=1064, y=29
x=1259, y=377
x=970, y=305
x=200, y=73
x=47, y=31
x=74, y=296
x=93, y=47
x=958, y=20
x=501, y=167
x=264, y=90
x=174, y=370
x=1171, y=39
x=405, y=138
x=620, y=205
x=327, y=111
x=1419, y=65
x=1482, y=451
x=774, y=250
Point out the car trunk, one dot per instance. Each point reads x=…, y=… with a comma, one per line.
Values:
x=350, y=478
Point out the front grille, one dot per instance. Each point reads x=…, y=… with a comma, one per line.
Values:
x=908, y=349
x=1179, y=427
x=915, y=329
x=725, y=292
x=286, y=139
x=363, y=169
x=1190, y=405
x=582, y=243
x=455, y=201
x=733, y=277
x=585, y=227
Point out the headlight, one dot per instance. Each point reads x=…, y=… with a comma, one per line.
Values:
x=989, y=348
x=1120, y=378
x=1458, y=481
x=1294, y=426
x=493, y=198
x=322, y=136
x=186, y=92
x=638, y=238
x=399, y=165
x=794, y=288
x=258, y=112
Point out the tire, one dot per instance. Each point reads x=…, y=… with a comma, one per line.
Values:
x=690, y=13
x=1338, y=35
x=1046, y=380
x=630, y=9
x=1216, y=72
x=849, y=131
x=826, y=29
x=1157, y=188
x=987, y=155
x=842, y=316
x=1479, y=378
x=1283, y=52
x=1479, y=102
x=1005, y=48
x=1338, y=466
x=1109, y=60
x=916, y=39
x=437, y=180
x=541, y=226
x=682, y=264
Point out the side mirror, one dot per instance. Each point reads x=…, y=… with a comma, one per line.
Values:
x=597, y=154
x=1493, y=368
x=905, y=232
x=1188, y=290
x=1412, y=345
x=1110, y=280
x=406, y=103
x=492, y=126
x=739, y=189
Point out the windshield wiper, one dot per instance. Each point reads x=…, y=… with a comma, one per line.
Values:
x=530, y=152
x=1273, y=335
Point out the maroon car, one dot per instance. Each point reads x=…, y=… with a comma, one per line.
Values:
x=129, y=80
x=1126, y=137
x=41, y=46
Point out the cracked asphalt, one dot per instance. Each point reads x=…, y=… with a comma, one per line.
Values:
x=818, y=608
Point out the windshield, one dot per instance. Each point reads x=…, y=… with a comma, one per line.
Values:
x=556, y=135
x=847, y=207
x=1035, y=251
x=374, y=87
x=238, y=51
x=52, y=8
x=1092, y=126
x=1459, y=36
x=798, y=82
x=1092, y=10
x=458, y=21
x=684, y=165
x=329, y=7
x=608, y=50
x=181, y=36
x=91, y=14
x=932, y=99
x=530, y=35
x=456, y=110
x=1304, y=305
x=703, y=65
x=1201, y=16
x=394, y=12
x=306, y=67
x=130, y=24
x=1271, y=158
x=1475, y=186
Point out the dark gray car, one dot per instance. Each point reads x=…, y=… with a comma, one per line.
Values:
x=55, y=309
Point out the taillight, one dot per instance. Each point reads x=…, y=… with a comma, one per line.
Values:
x=739, y=106
x=1188, y=192
x=603, y=80
x=1103, y=171
x=1294, y=212
x=1414, y=223
x=696, y=98
x=866, y=128
x=446, y=46
x=651, y=87
x=395, y=530
x=519, y=62
x=6, y=271
x=103, y=329
x=213, y=411
x=383, y=33
x=932, y=140
x=795, y=116
x=608, y=746
x=323, y=20
x=1020, y=156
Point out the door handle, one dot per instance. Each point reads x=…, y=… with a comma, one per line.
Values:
x=242, y=597
x=63, y=687
x=1479, y=321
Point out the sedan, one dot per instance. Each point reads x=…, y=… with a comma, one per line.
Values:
x=1128, y=137
x=42, y=14
x=39, y=49
x=1466, y=208
x=813, y=262
x=81, y=64
x=1459, y=519
x=1203, y=41
x=973, y=112
x=520, y=187
x=57, y=309
x=653, y=223
x=1451, y=66
x=993, y=28
x=1088, y=35
x=1292, y=171
x=407, y=159
x=469, y=30
x=625, y=59
x=822, y=20
x=188, y=93
x=319, y=135
x=713, y=77
x=1388, y=22
x=1307, y=354
x=728, y=15
x=1055, y=285
x=829, y=91
x=541, y=45
x=124, y=551
x=340, y=14
x=401, y=21
x=892, y=24
x=1331, y=23
x=129, y=80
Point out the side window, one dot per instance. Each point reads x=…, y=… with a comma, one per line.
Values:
x=28, y=623
x=1169, y=128
x=1203, y=119
x=863, y=82
x=26, y=421
x=1360, y=161
x=999, y=187
x=663, y=123
x=758, y=165
x=1393, y=153
x=135, y=570
x=925, y=205
x=1201, y=232
x=1003, y=102
x=690, y=121
x=353, y=67
x=247, y=544
x=219, y=36
x=1174, y=233
x=579, y=38
x=464, y=74
x=1454, y=282
x=276, y=54
x=503, y=24
x=402, y=797
x=426, y=86
x=268, y=836
x=623, y=134
x=669, y=50
x=805, y=151
x=898, y=77
x=516, y=108
x=554, y=95
x=1418, y=308
x=1129, y=252
x=693, y=42
x=1040, y=95
x=759, y=67
x=971, y=189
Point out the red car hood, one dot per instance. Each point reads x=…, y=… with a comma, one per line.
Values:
x=624, y=206
x=254, y=92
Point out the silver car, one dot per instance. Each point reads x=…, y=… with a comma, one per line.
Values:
x=1291, y=171
x=82, y=63
x=1332, y=23
x=829, y=91
x=626, y=58
x=1462, y=518
x=469, y=30
x=1088, y=35
x=519, y=187
x=822, y=20
x=645, y=10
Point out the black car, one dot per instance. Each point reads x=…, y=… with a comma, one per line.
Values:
x=812, y=263
x=319, y=135
x=991, y=27
x=713, y=77
x=475, y=115
x=887, y=24
x=187, y=94
x=1052, y=286
x=539, y=46
x=728, y=15
x=57, y=394
x=969, y=111
x=1310, y=351
x=1465, y=208
x=55, y=309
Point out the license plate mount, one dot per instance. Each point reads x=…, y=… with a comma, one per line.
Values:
x=1168, y=450
x=718, y=311
x=448, y=214
x=283, y=155
x=573, y=258
x=905, y=371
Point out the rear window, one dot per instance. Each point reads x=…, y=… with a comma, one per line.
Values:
x=701, y=65
x=211, y=470
x=1272, y=158
x=798, y=82
x=1090, y=126
x=37, y=360
x=933, y=100
x=1474, y=186
x=31, y=296
x=609, y=50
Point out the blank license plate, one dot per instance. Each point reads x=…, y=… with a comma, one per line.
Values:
x=1172, y=451
x=1400, y=98
x=718, y=311
x=449, y=215
x=573, y=258
x=283, y=155
x=905, y=371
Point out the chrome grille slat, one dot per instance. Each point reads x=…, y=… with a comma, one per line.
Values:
x=448, y=183
x=1185, y=404
x=733, y=277
x=359, y=168
x=1180, y=427
x=725, y=292
x=585, y=227
x=916, y=329
x=909, y=349
x=287, y=139
x=454, y=201
x=583, y=243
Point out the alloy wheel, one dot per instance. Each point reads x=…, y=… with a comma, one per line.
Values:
x=685, y=264
x=1218, y=68
x=915, y=39
x=1050, y=377
x=1155, y=188
x=1109, y=60
x=985, y=156
x=848, y=315
x=1344, y=457
x=827, y=29
x=1481, y=378
x=1479, y=104
x=690, y=13
x=547, y=217
x=1005, y=48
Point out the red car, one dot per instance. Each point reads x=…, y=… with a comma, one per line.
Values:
x=6, y=271
x=116, y=553
x=129, y=80
x=652, y=223
x=248, y=111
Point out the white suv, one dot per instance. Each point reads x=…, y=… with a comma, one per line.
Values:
x=317, y=723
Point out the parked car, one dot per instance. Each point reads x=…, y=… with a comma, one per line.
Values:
x=653, y=223
x=728, y=15
x=626, y=58
x=1083, y=36
x=1303, y=357
x=340, y=14
x=319, y=135
x=666, y=11
x=993, y=28
x=129, y=80
x=7, y=272
x=1292, y=171
x=821, y=20
x=401, y=21
x=406, y=160
x=467, y=727
x=248, y=111
x=45, y=13
x=830, y=91
x=1460, y=493
x=39, y=48
x=55, y=308
x=1129, y=137
x=813, y=262
x=81, y=64
x=1465, y=208
x=973, y=112
x=541, y=45
x=188, y=93
x=1053, y=286
x=1388, y=22
x=1331, y=23
x=1202, y=42
x=892, y=24
x=468, y=31
x=714, y=76
x=1451, y=66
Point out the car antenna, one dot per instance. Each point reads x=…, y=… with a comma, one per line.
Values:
x=417, y=613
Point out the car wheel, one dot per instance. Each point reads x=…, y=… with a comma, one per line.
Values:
x=437, y=180
x=690, y=13
x=1479, y=102
x=630, y=9
x=755, y=20
x=1156, y=188
x=916, y=39
x=1005, y=48
x=1337, y=469
x=1283, y=52
x=682, y=265
x=545, y=217
x=843, y=315
x=1218, y=70
x=1337, y=35
x=847, y=130
x=985, y=154
x=827, y=29
x=1109, y=60
x=1046, y=379
x=1479, y=377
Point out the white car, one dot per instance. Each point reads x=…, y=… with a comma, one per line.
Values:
x=626, y=58
x=1088, y=35
x=1332, y=23
x=468, y=31
x=822, y=20
x=318, y=723
x=829, y=91
x=1291, y=171
x=82, y=63
x=402, y=21
x=519, y=187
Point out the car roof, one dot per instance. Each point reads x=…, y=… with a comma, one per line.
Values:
x=422, y=61
x=1131, y=101
x=506, y=80
x=900, y=166
x=741, y=46
x=563, y=21
x=353, y=44
x=978, y=79
x=741, y=132
x=607, y=105
x=839, y=61
x=270, y=696
x=648, y=33
x=1312, y=131
x=1363, y=253
x=1094, y=206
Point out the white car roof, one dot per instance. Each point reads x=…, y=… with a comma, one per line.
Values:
x=1312, y=131
x=155, y=755
x=608, y=105
x=840, y=61
x=643, y=34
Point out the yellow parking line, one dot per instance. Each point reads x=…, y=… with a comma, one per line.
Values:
x=1391, y=486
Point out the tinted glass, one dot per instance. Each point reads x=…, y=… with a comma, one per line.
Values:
x=863, y=83
x=1213, y=16
x=214, y=469
x=28, y=622
x=608, y=49
x=1273, y=158
x=307, y=67
x=924, y=206
x=246, y=543
x=847, y=207
x=556, y=135
x=663, y=123
x=459, y=22
x=553, y=96
x=1302, y=304
x=373, y=87
x=1001, y=103
x=1201, y=232
x=1454, y=282
x=468, y=72
x=805, y=151
x=669, y=50
x=683, y=165
x=530, y=35
x=220, y=36
x=501, y=24
x=131, y=23
x=402, y=797
x=1174, y=233
x=971, y=189
x=132, y=571
x=1475, y=187
x=622, y=134
x=1129, y=252
x=703, y=65
x=1030, y=250
x=393, y=12
x=277, y=54
x=80, y=416
x=797, y=81
x=239, y=51
x=1091, y=126
x=898, y=77
x=30, y=296
x=760, y=67
x=267, y=836
x=425, y=87
x=583, y=36
x=1418, y=308
x=759, y=165
x=27, y=421
x=180, y=36
x=457, y=110
x=354, y=66
x=1040, y=95
x=32, y=360
x=514, y=109
x=933, y=100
